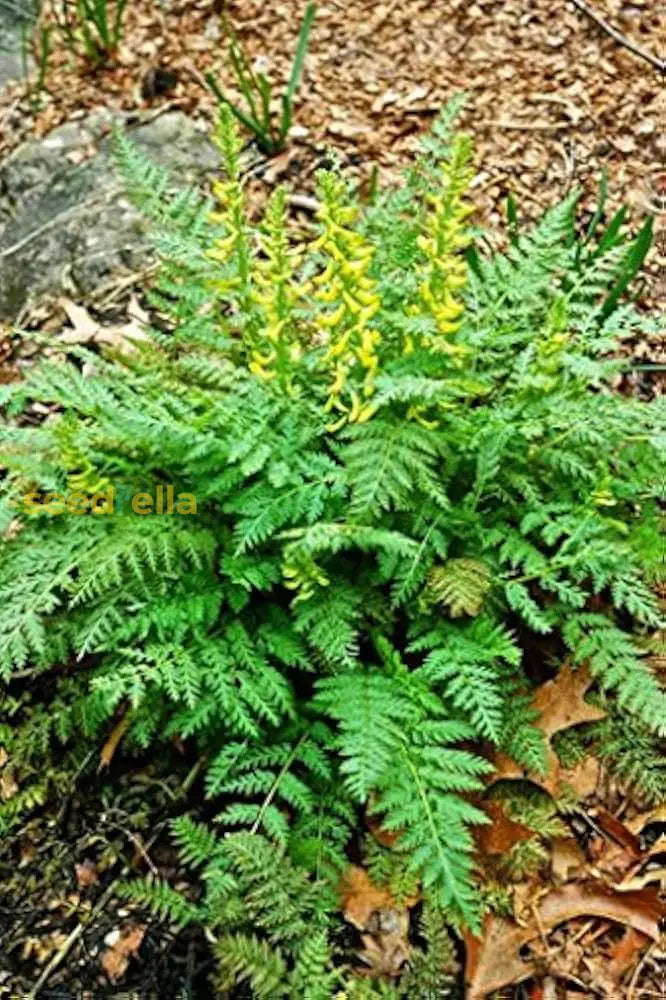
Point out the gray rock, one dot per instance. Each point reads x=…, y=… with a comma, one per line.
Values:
x=67, y=227
x=16, y=18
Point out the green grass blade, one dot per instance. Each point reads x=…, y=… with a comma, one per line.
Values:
x=632, y=265
x=303, y=38
x=611, y=237
x=601, y=204
x=85, y=14
x=265, y=94
x=101, y=22
x=262, y=137
x=117, y=27
x=287, y=117
x=244, y=80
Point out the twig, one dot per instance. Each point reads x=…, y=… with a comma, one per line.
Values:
x=532, y=126
x=192, y=776
x=617, y=36
x=139, y=846
x=305, y=202
x=196, y=75
x=156, y=113
x=106, y=294
x=540, y=927
x=71, y=940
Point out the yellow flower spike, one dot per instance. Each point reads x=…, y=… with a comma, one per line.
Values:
x=449, y=311
x=222, y=249
x=368, y=299
x=335, y=405
x=86, y=479
x=335, y=252
x=444, y=272
x=263, y=359
x=318, y=244
x=274, y=331
x=351, y=268
x=274, y=295
x=262, y=372
x=351, y=355
x=338, y=384
x=446, y=328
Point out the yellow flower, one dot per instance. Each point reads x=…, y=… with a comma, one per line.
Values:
x=444, y=271
x=274, y=294
x=346, y=283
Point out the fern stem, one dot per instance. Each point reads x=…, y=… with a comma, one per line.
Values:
x=276, y=784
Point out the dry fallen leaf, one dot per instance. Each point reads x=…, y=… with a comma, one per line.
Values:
x=385, y=924
x=561, y=702
x=116, y=959
x=86, y=330
x=83, y=328
x=641, y=910
x=500, y=835
x=386, y=950
x=122, y=337
x=41, y=949
x=618, y=832
x=495, y=961
x=8, y=785
x=566, y=858
x=387, y=838
x=625, y=143
x=624, y=952
x=346, y=129
x=361, y=898
x=28, y=852
x=583, y=777
x=86, y=873
x=111, y=745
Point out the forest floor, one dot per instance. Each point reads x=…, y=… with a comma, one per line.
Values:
x=553, y=101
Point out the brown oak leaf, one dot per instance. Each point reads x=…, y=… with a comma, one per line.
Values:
x=561, y=704
x=494, y=960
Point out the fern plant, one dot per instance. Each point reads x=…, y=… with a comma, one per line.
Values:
x=408, y=469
